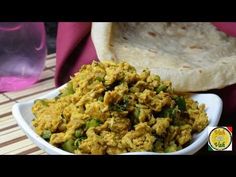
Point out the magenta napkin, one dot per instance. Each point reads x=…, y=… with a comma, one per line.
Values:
x=74, y=48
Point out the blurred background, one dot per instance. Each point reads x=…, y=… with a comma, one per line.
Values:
x=51, y=29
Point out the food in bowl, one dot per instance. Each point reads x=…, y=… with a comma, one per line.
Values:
x=108, y=108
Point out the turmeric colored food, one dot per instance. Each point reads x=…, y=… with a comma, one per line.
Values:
x=108, y=108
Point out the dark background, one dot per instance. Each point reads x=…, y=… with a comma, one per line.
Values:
x=51, y=30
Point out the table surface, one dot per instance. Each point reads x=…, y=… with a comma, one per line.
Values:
x=12, y=139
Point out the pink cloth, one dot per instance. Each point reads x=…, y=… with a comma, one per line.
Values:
x=227, y=27
x=75, y=48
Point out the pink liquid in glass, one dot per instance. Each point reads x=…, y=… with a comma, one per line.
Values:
x=22, y=54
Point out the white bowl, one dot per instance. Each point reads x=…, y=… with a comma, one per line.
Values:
x=23, y=115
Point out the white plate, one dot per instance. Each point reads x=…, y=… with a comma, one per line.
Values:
x=23, y=115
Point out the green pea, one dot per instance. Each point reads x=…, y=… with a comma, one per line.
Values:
x=69, y=146
x=156, y=77
x=46, y=134
x=43, y=102
x=135, y=116
x=136, y=113
x=100, y=79
x=180, y=101
x=100, y=98
x=92, y=123
x=68, y=90
x=168, y=112
x=119, y=107
x=161, y=88
x=78, y=133
x=78, y=141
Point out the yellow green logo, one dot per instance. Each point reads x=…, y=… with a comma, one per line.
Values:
x=220, y=138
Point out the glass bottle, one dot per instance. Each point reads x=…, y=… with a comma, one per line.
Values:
x=22, y=54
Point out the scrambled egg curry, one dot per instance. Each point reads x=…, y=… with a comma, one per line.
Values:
x=109, y=108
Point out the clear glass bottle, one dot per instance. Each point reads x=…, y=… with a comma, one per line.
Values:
x=22, y=54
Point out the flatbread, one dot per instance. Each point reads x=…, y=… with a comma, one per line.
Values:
x=194, y=56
